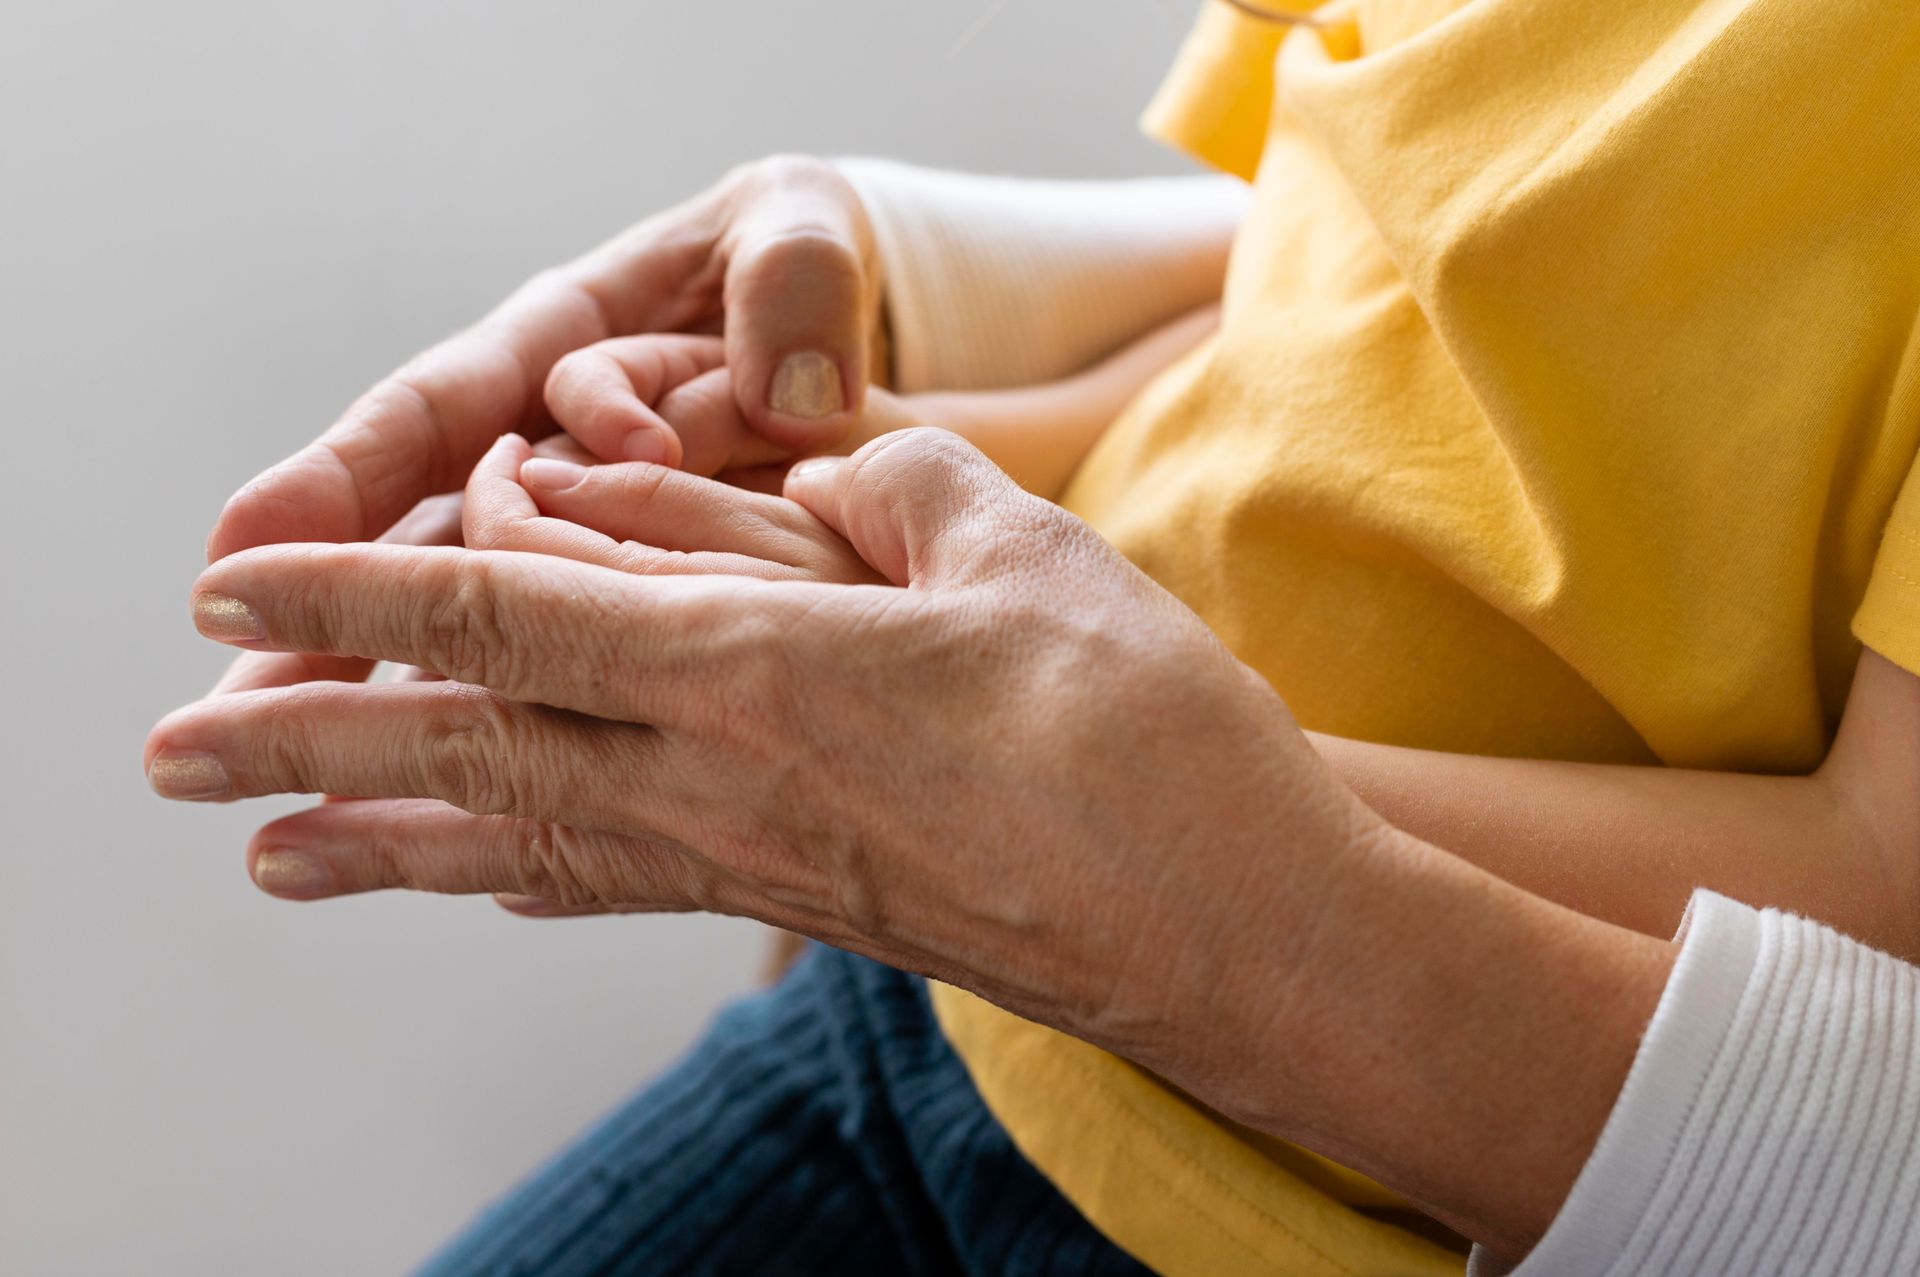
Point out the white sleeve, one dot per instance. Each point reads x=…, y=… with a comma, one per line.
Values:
x=1770, y=1122
x=998, y=281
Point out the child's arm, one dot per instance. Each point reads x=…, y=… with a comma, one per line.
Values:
x=1629, y=844
x=677, y=388
x=1040, y=434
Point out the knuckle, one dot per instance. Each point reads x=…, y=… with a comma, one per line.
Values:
x=803, y=252
x=588, y=394
x=912, y=450
x=963, y=501
x=467, y=756
x=288, y=751
x=568, y=371
x=642, y=484
x=887, y=472
x=649, y=560
x=546, y=862
x=603, y=416
x=385, y=859
x=462, y=634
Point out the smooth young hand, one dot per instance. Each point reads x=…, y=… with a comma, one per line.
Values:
x=649, y=520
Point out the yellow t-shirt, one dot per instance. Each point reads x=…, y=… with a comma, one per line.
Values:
x=1568, y=380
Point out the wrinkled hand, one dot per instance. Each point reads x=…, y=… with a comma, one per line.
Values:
x=778, y=255
x=648, y=519
x=1018, y=765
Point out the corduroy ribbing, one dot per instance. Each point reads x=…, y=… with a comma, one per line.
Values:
x=824, y=1126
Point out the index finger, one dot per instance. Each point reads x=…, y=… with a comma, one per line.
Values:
x=420, y=430
x=435, y=521
x=529, y=626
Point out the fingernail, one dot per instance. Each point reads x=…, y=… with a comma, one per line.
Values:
x=550, y=475
x=646, y=445
x=523, y=904
x=813, y=466
x=226, y=619
x=807, y=385
x=187, y=773
x=286, y=872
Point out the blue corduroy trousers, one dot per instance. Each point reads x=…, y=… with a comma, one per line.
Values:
x=823, y=1126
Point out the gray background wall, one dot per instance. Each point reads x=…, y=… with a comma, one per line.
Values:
x=218, y=222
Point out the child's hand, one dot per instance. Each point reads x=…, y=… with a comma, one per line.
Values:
x=648, y=519
x=669, y=399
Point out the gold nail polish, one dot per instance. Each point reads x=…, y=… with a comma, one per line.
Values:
x=807, y=385
x=291, y=873
x=187, y=774
x=228, y=619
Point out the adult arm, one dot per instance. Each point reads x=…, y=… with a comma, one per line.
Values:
x=1033, y=774
x=1823, y=1097
x=1029, y=772
x=1767, y=1125
x=1630, y=844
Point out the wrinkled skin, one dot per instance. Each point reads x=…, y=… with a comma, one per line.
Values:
x=1016, y=765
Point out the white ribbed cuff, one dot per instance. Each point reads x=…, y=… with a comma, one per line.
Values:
x=1770, y=1123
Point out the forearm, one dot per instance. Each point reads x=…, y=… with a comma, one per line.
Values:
x=1040, y=434
x=1630, y=844
x=1452, y=1036
x=1765, y=1125
x=995, y=282
x=1597, y=1100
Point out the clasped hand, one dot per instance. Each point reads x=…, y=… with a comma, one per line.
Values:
x=907, y=707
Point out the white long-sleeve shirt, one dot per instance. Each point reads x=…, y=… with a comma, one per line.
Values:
x=1770, y=1123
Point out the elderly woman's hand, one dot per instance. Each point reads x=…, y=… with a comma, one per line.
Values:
x=778, y=254
x=1018, y=766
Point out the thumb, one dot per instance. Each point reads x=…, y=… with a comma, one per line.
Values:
x=923, y=507
x=801, y=297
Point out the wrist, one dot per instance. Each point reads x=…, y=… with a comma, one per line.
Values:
x=1455, y=1038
